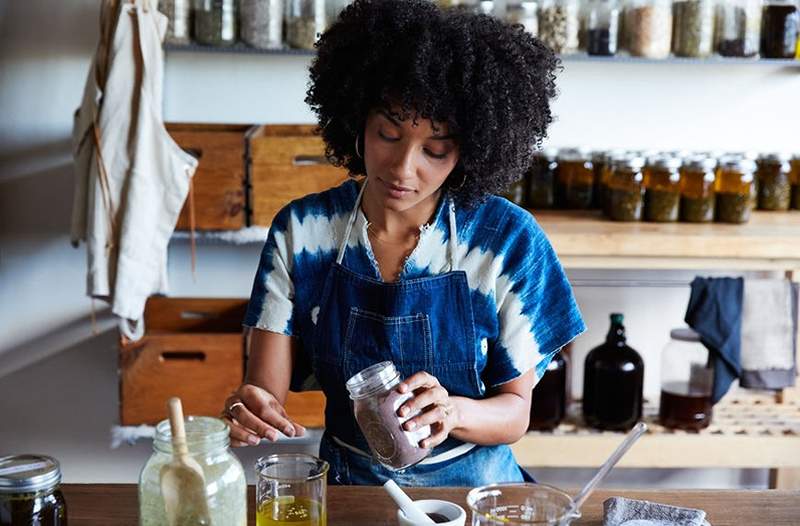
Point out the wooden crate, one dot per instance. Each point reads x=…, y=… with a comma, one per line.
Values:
x=286, y=162
x=192, y=348
x=219, y=182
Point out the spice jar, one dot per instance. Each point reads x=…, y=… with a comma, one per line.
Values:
x=375, y=404
x=624, y=189
x=662, y=189
x=30, y=491
x=602, y=27
x=305, y=21
x=686, y=382
x=774, y=187
x=697, y=189
x=559, y=24
x=226, y=488
x=542, y=179
x=795, y=178
x=734, y=188
x=693, y=28
x=215, y=22
x=738, y=28
x=574, y=179
x=648, y=27
x=525, y=14
x=779, y=29
x=179, y=12
x=516, y=192
x=262, y=23
x=549, y=397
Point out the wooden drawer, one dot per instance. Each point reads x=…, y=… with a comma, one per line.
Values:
x=286, y=162
x=192, y=348
x=219, y=182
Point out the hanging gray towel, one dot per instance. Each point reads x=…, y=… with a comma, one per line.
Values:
x=769, y=333
x=619, y=511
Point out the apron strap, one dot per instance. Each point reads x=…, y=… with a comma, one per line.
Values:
x=453, y=234
x=350, y=222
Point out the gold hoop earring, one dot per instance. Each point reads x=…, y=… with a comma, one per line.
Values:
x=357, y=152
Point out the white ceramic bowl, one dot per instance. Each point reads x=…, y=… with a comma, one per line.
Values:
x=454, y=512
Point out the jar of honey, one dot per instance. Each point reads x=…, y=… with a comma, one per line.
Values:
x=624, y=195
x=30, y=491
x=662, y=189
x=697, y=189
x=735, y=188
x=774, y=187
x=575, y=179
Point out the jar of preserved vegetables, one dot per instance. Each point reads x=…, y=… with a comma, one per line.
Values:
x=602, y=27
x=779, y=29
x=542, y=179
x=774, y=187
x=179, y=12
x=795, y=177
x=738, y=28
x=600, y=163
x=30, y=491
x=648, y=28
x=662, y=189
x=524, y=13
x=624, y=194
x=262, y=23
x=305, y=21
x=693, y=28
x=734, y=188
x=575, y=179
x=697, y=189
x=216, y=22
x=559, y=24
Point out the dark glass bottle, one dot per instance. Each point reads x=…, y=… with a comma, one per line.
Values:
x=549, y=398
x=613, y=378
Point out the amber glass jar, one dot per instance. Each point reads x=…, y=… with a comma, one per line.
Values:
x=30, y=491
x=600, y=162
x=624, y=194
x=697, y=189
x=774, y=187
x=542, y=179
x=662, y=189
x=574, y=180
x=735, y=188
x=795, y=177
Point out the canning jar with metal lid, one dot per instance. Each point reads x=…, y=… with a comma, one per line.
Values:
x=697, y=189
x=574, y=179
x=735, y=188
x=780, y=24
x=774, y=187
x=625, y=191
x=524, y=13
x=737, y=28
x=216, y=22
x=559, y=25
x=693, y=28
x=30, y=491
x=662, y=194
x=542, y=179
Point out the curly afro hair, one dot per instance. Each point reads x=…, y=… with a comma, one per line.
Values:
x=491, y=82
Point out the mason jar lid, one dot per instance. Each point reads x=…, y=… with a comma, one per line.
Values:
x=684, y=334
x=550, y=153
x=700, y=162
x=665, y=161
x=372, y=379
x=633, y=162
x=28, y=473
x=573, y=154
x=774, y=157
x=737, y=162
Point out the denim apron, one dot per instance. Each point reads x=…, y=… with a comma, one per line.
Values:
x=423, y=324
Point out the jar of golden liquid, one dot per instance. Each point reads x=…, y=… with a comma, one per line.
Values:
x=625, y=189
x=575, y=179
x=697, y=189
x=662, y=188
x=735, y=188
x=795, y=177
x=774, y=187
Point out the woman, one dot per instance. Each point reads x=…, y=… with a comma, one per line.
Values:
x=439, y=110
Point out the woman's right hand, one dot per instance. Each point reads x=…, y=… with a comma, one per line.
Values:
x=253, y=413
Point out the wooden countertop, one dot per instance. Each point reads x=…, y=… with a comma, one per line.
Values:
x=105, y=504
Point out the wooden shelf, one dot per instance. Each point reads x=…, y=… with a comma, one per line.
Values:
x=770, y=241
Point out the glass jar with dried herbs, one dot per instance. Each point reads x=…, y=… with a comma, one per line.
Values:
x=216, y=22
x=600, y=162
x=524, y=13
x=774, y=187
x=179, y=12
x=601, y=27
x=697, y=189
x=648, y=28
x=559, y=24
x=693, y=28
x=262, y=23
x=662, y=194
x=542, y=179
x=795, y=178
x=737, y=30
x=574, y=179
x=305, y=21
x=734, y=188
x=624, y=195
x=780, y=24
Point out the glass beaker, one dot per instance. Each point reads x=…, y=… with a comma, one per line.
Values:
x=291, y=490
x=521, y=504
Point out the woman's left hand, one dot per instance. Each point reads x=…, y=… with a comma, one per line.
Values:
x=435, y=405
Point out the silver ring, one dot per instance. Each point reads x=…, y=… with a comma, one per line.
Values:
x=230, y=409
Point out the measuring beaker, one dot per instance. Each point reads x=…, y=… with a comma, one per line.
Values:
x=520, y=504
x=291, y=490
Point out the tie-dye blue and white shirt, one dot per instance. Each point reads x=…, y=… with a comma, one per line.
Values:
x=523, y=304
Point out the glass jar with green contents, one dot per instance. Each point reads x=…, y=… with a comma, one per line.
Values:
x=734, y=188
x=541, y=179
x=624, y=195
x=662, y=189
x=226, y=488
x=575, y=179
x=795, y=164
x=774, y=187
x=30, y=493
x=697, y=189
x=693, y=28
x=216, y=22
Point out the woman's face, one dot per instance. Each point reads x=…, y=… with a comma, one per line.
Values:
x=406, y=163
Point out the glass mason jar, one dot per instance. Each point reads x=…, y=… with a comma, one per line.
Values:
x=549, y=397
x=216, y=22
x=774, y=187
x=795, y=164
x=332, y=10
x=662, y=195
x=624, y=189
x=648, y=28
x=305, y=21
x=30, y=491
x=697, y=189
x=179, y=12
x=516, y=192
x=226, y=489
x=693, y=28
x=601, y=27
x=600, y=163
x=291, y=489
x=375, y=403
x=261, y=23
x=779, y=29
x=525, y=14
x=686, y=382
x=734, y=188
x=737, y=31
x=559, y=24
x=574, y=179
x=542, y=179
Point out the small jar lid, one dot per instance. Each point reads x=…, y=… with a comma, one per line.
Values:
x=774, y=157
x=684, y=334
x=28, y=473
x=631, y=162
x=737, y=162
x=372, y=379
x=665, y=161
x=573, y=154
x=700, y=161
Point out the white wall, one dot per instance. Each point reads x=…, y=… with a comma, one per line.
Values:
x=65, y=404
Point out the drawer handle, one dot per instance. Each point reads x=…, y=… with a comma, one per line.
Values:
x=309, y=160
x=192, y=356
x=198, y=315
